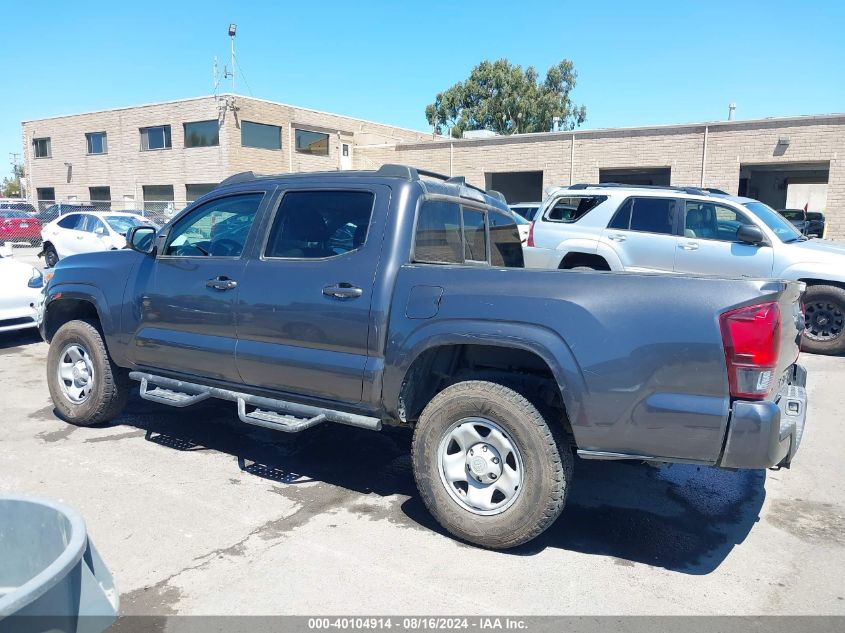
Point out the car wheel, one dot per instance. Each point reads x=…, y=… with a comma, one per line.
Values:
x=51, y=257
x=488, y=466
x=582, y=268
x=87, y=388
x=824, y=309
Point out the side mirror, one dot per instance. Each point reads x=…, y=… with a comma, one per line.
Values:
x=141, y=239
x=99, y=231
x=750, y=234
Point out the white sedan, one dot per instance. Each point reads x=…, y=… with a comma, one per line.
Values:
x=87, y=232
x=20, y=290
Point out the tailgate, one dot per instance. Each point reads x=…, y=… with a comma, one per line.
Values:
x=792, y=324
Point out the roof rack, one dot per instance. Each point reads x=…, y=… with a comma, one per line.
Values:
x=390, y=170
x=413, y=173
x=695, y=191
x=244, y=176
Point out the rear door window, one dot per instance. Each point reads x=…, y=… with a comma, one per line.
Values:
x=505, y=243
x=438, y=236
x=569, y=210
x=72, y=221
x=646, y=215
x=320, y=224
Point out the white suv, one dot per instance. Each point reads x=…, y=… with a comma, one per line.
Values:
x=87, y=232
x=691, y=230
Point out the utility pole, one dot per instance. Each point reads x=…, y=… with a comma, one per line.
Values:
x=13, y=159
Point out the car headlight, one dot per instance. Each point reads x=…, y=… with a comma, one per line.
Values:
x=37, y=279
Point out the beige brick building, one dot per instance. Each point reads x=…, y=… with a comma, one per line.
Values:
x=127, y=156
x=177, y=150
x=782, y=161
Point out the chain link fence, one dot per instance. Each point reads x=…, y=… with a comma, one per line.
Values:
x=21, y=222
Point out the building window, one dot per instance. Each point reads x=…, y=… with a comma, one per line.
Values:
x=192, y=192
x=345, y=149
x=42, y=147
x=158, y=193
x=155, y=137
x=96, y=142
x=159, y=199
x=45, y=194
x=261, y=135
x=314, y=143
x=100, y=197
x=202, y=134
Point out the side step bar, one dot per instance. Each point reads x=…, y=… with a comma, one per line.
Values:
x=279, y=415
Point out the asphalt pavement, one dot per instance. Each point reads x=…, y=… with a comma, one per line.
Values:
x=196, y=513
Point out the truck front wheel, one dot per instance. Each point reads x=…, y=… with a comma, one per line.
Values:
x=824, y=309
x=488, y=466
x=86, y=386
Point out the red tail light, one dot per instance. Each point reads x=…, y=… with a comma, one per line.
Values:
x=751, y=337
x=530, y=241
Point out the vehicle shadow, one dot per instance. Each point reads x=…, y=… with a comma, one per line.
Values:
x=682, y=518
x=18, y=339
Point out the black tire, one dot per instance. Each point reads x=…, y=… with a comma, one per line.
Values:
x=824, y=308
x=547, y=461
x=110, y=389
x=51, y=257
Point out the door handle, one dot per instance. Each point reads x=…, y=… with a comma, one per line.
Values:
x=221, y=283
x=343, y=290
x=79, y=237
x=616, y=237
x=690, y=246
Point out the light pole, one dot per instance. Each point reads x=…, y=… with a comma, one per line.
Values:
x=232, y=30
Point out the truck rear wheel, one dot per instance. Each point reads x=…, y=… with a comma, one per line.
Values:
x=488, y=466
x=824, y=309
x=86, y=387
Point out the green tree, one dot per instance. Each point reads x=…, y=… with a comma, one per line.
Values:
x=500, y=96
x=11, y=187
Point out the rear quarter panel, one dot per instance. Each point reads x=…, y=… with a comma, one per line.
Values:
x=638, y=358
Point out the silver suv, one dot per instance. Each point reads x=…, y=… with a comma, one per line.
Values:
x=691, y=230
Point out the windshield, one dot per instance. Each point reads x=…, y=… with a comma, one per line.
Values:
x=781, y=227
x=792, y=215
x=122, y=223
x=7, y=213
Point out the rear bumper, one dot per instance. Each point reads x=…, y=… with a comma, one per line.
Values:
x=766, y=434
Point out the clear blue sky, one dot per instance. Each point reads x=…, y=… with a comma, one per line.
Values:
x=639, y=63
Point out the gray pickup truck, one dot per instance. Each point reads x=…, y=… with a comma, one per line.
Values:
x=398, y=296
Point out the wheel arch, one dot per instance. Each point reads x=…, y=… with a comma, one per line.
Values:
x=578, y=258
x=814, y=281
x=465, y=350
x=68, y=303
